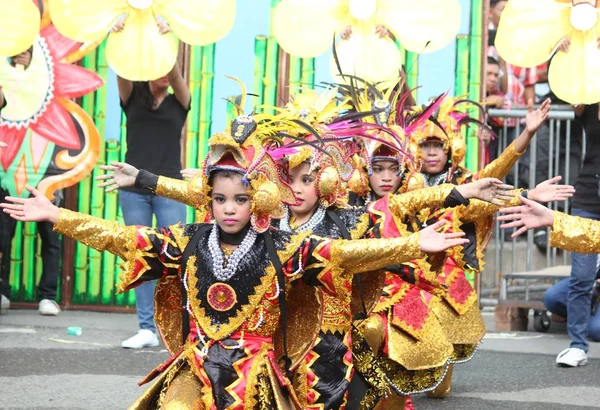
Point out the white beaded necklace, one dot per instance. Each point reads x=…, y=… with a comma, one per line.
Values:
x=315, y=219
x=222, y=270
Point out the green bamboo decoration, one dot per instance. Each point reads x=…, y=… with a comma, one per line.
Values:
x=29, y=242
x=80, y=281
x=97, y=281
x=206, y=101
x=192, y=137
x=260, y=63
x=308, y=73
x=461, y=84
x=272, y=64
x=87, y=101
x=193, y=121
x=474, y=89
x=17, y=264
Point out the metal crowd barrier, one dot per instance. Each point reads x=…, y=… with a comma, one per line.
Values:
x=555, y=150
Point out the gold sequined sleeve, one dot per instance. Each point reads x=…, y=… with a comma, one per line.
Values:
x=575, y=234
x=411, y=203
x=147, y=253
x=500, y=167
x=478, y=209
x=365, y=255
x=97, y=233
x=192, y=192
x=325, y=262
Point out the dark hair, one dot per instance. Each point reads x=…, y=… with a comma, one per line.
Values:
x=493, y=3
x=223, y=173
x=142, y=88
x=492, y=61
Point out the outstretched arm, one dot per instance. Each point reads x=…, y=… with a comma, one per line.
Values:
x=500, y=167
x=365, y=255
x=544, y=192
x=448, y=195
x=122, y=175
x=570, y=233
x=148, y=253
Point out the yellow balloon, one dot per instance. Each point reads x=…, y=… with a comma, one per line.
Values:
x=421, y=26
x=85, y=21
x=369, y=57
x=19, y=26
x=198, y=22
x=530, y=30
x=305, y=28
x=573, y=76
x=140, y=52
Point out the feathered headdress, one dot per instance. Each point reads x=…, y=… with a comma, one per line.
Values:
x=305, y=122
x=444, y=122
x=246, y=147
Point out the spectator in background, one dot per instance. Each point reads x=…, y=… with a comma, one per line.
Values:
x=576, y=293
x=155, y=121
x=518, y=85
x=48, y=285
x=494, y=98
x=556, y=301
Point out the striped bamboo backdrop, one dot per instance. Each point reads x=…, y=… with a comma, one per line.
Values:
x=95, y=274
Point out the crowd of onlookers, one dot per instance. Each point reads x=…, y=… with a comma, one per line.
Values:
x=509, y=87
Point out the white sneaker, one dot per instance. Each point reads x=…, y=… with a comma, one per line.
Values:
x=143, y=338
x=571, y=357
x=49, y=308
x=5, y=303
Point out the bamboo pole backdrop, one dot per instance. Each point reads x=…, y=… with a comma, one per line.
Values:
x=95, y=274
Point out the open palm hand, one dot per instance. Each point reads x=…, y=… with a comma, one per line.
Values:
x=535, y=118
x=38, y=208
x=492, y=190
x=530, y=215
x=432, y=241
x=550, y=190
x=119, y=175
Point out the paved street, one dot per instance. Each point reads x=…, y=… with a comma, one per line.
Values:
x=41, y=367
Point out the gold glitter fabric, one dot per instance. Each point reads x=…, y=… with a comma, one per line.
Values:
x=193, y=192
x=167, y=313
x=184, y=392
x=97, y=233
x=366, y=255
x=393, y=401
x=459, y=329
x=372, y=329
x=478, y=209
x=444, y=388
x=411, y=202
x=379, y=371
x=500, y=167
x=433, y=350
x=337, y=315
x=304, y=318
x=463, y=353
x=575, y=234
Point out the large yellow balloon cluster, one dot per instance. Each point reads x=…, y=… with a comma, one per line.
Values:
x=306, y=28
x=19, y=26
x=530, y=31
x=140, y=52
